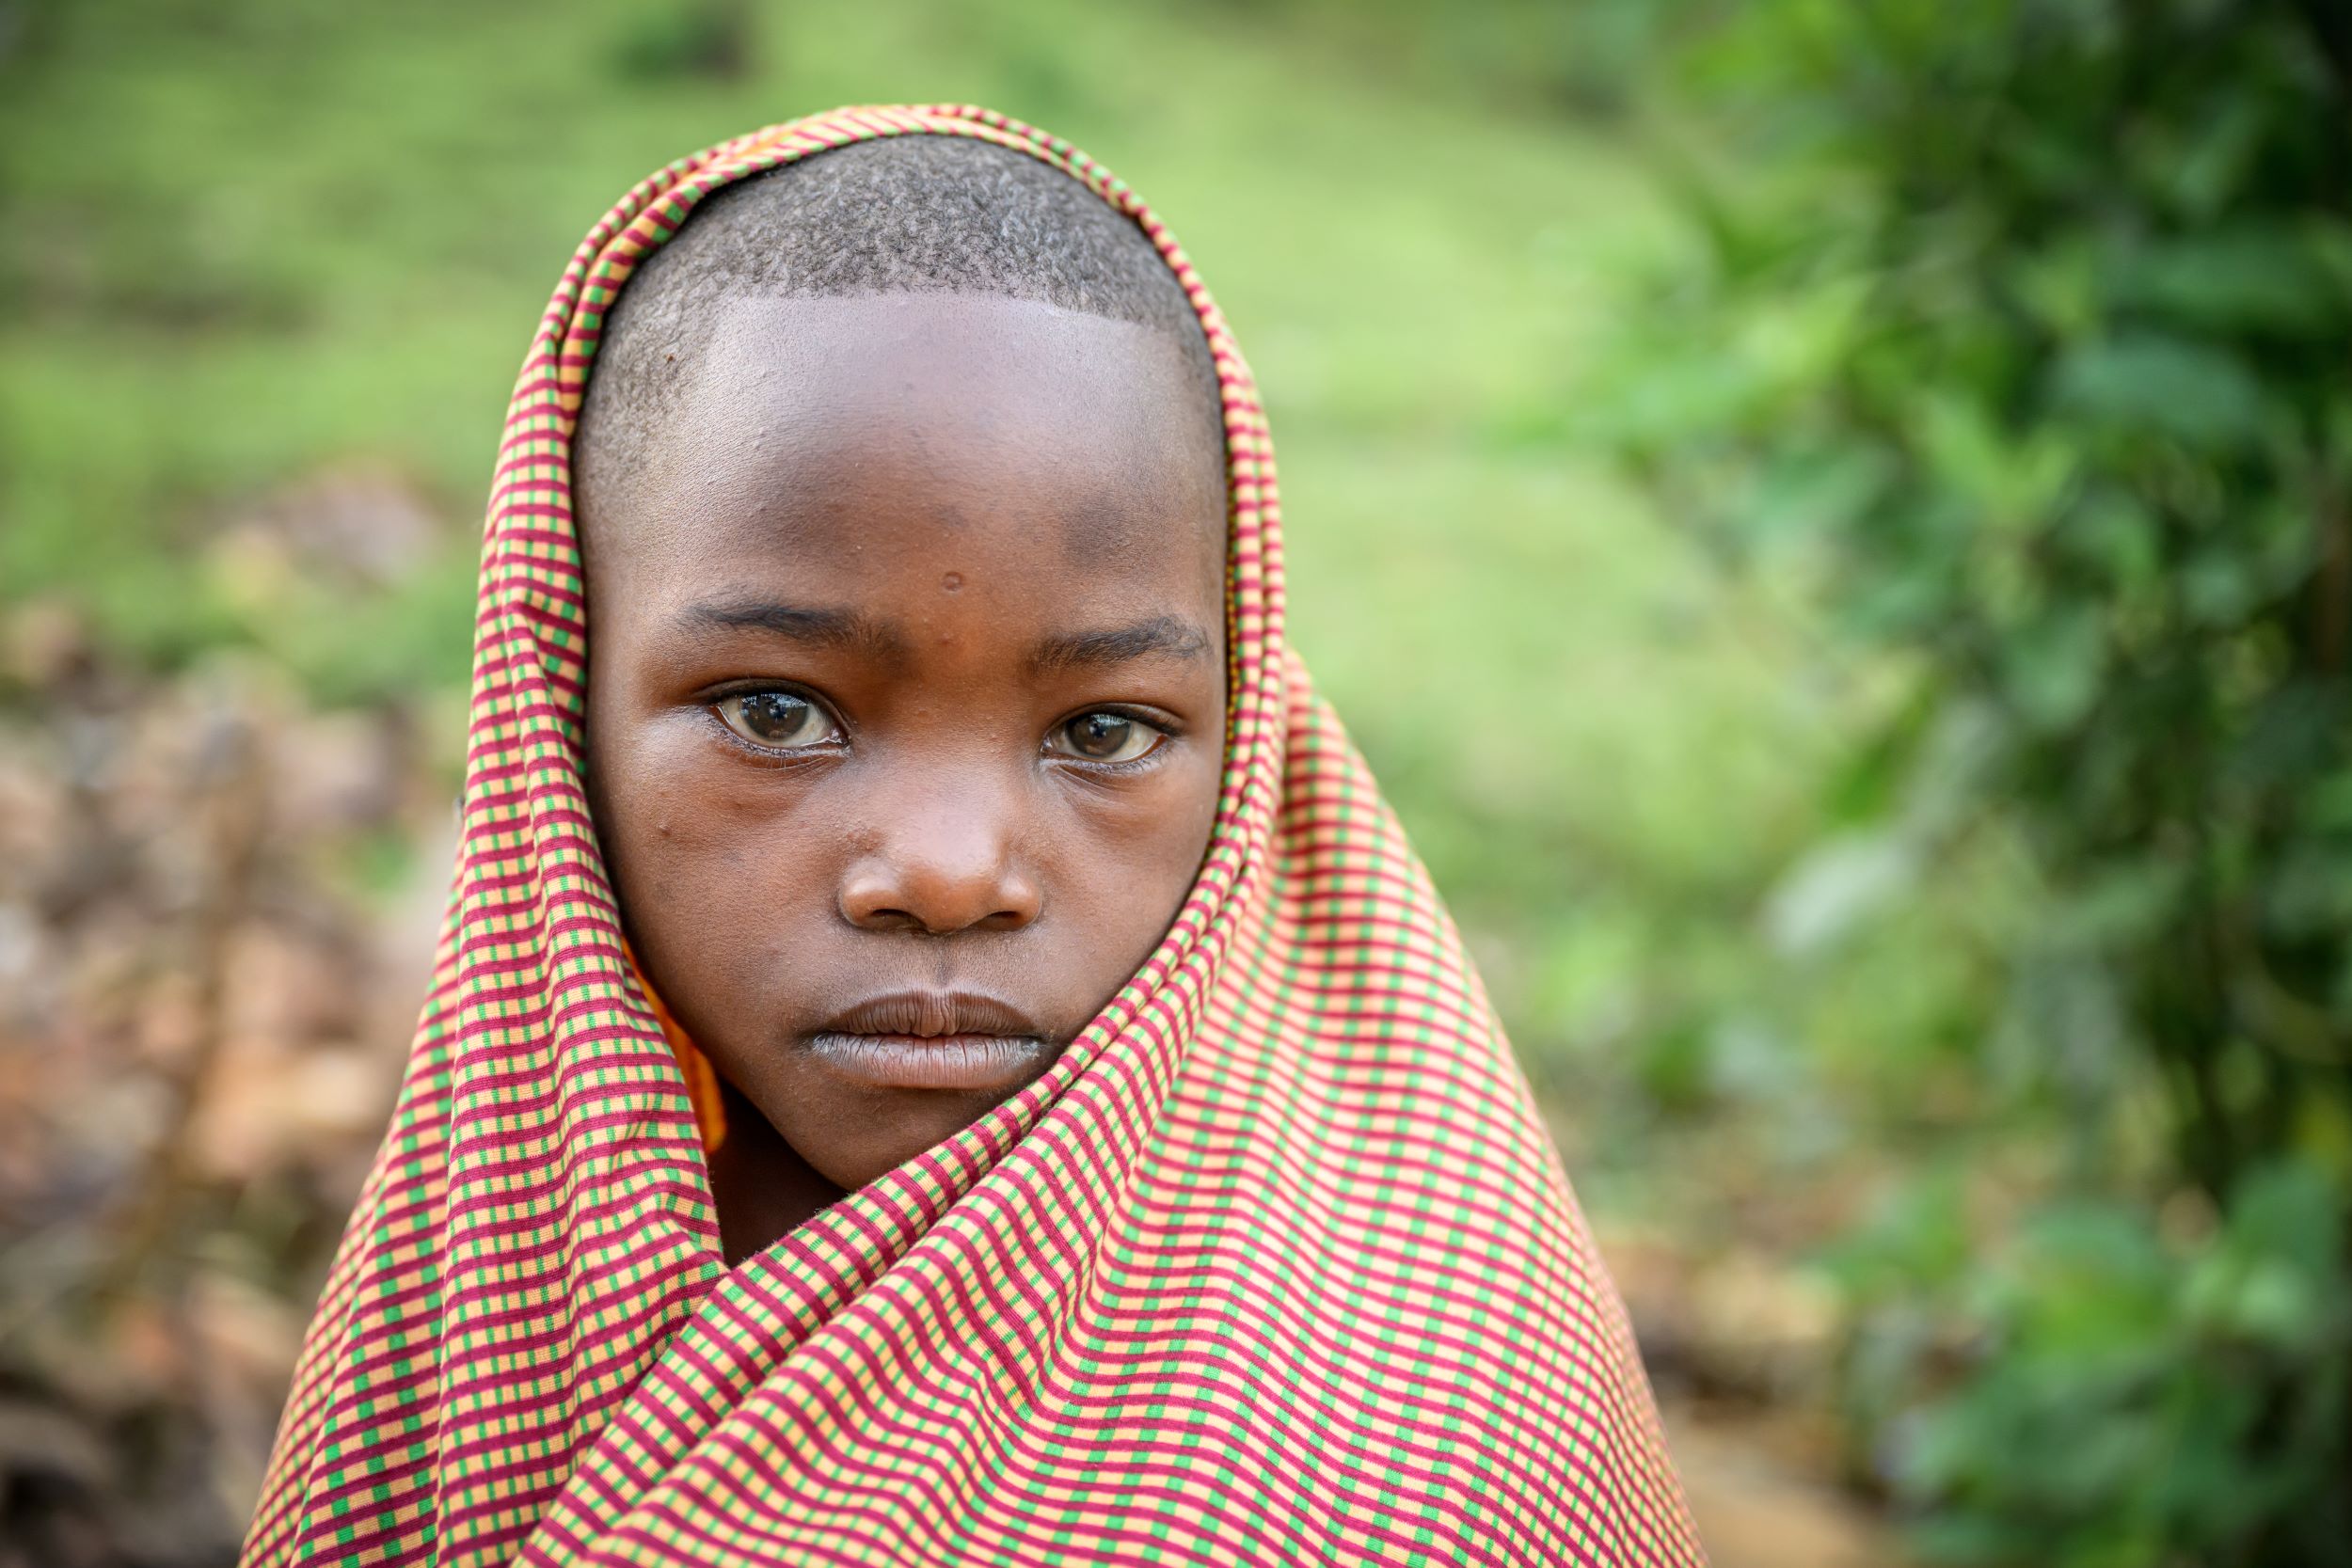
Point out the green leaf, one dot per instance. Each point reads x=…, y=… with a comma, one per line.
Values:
x=1840, y=885
x=2152, y=384
x=2250, y=276
x=2051, y=667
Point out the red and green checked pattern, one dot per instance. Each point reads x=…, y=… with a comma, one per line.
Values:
x=1274, y=1265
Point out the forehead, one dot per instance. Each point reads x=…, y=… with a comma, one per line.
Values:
x=841, y=430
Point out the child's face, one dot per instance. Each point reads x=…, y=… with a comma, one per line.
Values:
x=907, y=698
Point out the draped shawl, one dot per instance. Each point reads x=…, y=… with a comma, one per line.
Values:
x=1273, y=1264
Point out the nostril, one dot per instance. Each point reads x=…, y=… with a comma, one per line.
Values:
x=882, y=895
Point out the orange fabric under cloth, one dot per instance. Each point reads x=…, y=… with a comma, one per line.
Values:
x=701, y=1079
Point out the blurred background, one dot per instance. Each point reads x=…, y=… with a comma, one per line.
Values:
x=1830, y=520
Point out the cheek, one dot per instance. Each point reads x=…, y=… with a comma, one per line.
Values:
x=1127, y=853
x=699, y=850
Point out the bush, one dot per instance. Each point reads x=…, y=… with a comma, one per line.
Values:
x=2021, y=336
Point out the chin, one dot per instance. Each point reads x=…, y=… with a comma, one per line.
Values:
x=862, y=1167
x=874, y=1151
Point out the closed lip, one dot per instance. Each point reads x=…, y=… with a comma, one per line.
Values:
x=933, y=1039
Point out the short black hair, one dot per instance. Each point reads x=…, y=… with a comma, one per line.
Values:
x=903, y=214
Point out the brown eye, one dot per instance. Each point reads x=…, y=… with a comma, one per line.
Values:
x=781, y=720
x=1104, y=737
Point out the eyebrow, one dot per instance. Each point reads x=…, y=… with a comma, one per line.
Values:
x=1161, y=636
x=823, y=626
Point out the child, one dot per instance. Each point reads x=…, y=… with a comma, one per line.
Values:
x=940, y=1053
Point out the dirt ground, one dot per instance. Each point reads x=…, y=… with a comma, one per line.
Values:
x=1760, y=1506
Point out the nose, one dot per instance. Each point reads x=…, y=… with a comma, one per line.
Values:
x=940, y=866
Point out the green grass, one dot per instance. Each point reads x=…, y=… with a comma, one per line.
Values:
x=249, y=242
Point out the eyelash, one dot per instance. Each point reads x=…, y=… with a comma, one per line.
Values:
x=1152, y=758
x=790, y=754
x=778, y=756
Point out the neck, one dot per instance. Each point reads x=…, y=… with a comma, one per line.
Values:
x=763, y=1188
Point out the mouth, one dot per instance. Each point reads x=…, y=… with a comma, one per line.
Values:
x=933, y=1041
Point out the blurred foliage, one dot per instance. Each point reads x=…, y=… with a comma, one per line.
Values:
x=2015, y=341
